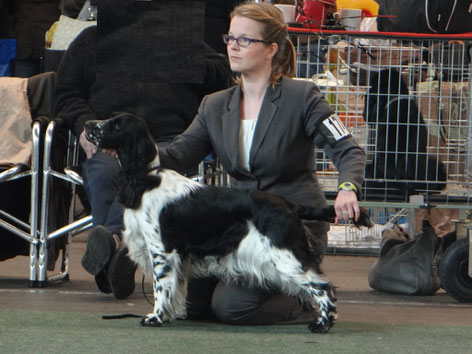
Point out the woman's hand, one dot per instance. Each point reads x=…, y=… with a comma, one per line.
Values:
x=90, y=148
x=346, y=206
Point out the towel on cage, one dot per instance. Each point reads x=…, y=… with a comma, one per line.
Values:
x=400, y=155
x=15, y=122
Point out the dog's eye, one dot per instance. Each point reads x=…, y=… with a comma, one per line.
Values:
x=117, y=127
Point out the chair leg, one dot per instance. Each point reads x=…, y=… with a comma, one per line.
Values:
x=34, y=205
x=43, y=229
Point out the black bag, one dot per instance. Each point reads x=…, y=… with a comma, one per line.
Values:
x=408, y=266
x=425, y=16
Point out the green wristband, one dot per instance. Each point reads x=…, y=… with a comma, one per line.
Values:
x=347, y=186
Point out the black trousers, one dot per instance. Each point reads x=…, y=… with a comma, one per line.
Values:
x=213, y=299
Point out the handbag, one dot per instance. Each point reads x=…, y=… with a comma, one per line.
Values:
x=408, y=266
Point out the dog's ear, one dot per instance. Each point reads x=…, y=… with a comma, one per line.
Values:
x=146, y=148
x=134, y=171
x=137, y=153
x=131, y=191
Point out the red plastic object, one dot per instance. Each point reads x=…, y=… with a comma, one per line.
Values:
x=314, y=13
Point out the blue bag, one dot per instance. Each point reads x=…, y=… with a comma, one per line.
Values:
x=7, y=53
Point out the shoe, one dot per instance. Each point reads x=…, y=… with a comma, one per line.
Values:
x=102, y=281
x=121, y=274
x=100, y=248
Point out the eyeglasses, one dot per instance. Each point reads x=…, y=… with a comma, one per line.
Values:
x=242, y=41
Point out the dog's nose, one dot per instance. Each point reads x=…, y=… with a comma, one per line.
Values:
x=94, y=123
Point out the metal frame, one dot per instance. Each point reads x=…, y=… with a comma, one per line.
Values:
x=73, y=227
x=36, y=231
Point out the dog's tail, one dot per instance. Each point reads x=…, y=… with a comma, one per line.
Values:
x=329, y=214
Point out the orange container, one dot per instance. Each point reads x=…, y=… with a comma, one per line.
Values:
x=368, y=7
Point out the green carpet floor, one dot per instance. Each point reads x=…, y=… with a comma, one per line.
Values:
x=56, y=332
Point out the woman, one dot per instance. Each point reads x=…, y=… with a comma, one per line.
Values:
x=264, y=131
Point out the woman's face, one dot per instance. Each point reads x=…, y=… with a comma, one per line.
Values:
x=257, y=56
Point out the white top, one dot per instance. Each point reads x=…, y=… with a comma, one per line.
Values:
x=246, y=133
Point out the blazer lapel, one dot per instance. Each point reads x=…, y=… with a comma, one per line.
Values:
x=230, y=126
x=266, y=115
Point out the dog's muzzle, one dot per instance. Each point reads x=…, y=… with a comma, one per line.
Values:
x=94, y=131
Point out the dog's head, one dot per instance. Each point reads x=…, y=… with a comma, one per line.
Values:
x=129, y=136
x=125, y=133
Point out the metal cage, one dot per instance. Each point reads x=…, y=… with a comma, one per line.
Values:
x=406, y=99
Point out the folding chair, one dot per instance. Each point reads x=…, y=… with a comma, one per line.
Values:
x=60, y=150
x=21, y=142
x=43, y=229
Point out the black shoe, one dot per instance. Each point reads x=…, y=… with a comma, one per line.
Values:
x=102, y=281
x=100, y=248
x=121, y=274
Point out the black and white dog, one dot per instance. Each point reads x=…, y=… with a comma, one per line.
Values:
x=177, y=228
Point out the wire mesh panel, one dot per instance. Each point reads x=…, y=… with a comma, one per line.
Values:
x=406, y=100
x=349, y=238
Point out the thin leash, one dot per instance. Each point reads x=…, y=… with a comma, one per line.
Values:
x=144, y=293
x=129, y=315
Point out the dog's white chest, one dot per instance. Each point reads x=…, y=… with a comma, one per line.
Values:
x=142, y=232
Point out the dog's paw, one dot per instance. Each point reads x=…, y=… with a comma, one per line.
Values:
x=332, y=317
x=322, y=325
x=151, y=320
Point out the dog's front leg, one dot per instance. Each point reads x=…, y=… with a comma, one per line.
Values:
x=169, y=289
x=160, y=269
x=325, y=299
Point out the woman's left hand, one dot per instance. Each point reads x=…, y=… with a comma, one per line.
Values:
x=346, y=206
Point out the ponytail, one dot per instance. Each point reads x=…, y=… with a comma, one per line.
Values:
x=283, y=63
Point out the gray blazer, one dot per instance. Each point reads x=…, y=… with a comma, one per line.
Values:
x=293, y=119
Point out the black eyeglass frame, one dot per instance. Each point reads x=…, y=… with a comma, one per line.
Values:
x=227, y=38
